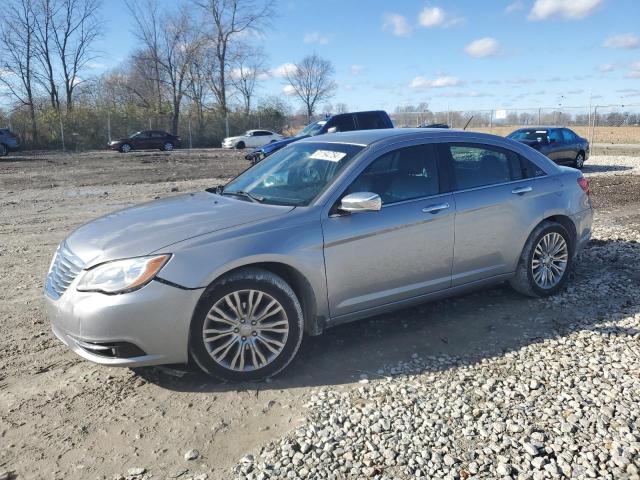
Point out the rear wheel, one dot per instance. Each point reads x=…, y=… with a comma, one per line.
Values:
x=579, y=161
x=240, y=145
x=545, y=262
x=248, y=327
x=3, y=150
x=125, y=148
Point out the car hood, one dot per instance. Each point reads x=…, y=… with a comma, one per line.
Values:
x=281, y=143
x=148, y=227
x=229, y=139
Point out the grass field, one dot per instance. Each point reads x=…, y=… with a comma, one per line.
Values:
x=604, y=134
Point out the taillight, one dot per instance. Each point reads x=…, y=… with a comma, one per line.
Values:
x=584, y=185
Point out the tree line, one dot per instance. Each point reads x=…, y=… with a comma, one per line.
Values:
x=196, y=61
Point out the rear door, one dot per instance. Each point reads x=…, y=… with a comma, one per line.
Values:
x=494, y=209
x=403, y=250
x=572, y=146
x=557, y=148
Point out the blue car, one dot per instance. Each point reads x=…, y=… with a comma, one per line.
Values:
x=342, y=122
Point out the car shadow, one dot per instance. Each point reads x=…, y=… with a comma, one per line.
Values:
x=443, y=334
x=604, y=168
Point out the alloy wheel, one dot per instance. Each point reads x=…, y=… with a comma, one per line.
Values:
x=168, y=146
x=579, y=160
x=549, y=261
x=245, y=330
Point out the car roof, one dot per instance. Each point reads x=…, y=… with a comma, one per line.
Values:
x=391, y=135
x=542, y=127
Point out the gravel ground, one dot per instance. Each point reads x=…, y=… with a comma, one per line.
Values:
x=487, y=385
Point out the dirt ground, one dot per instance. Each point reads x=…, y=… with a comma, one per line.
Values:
x=64, y=418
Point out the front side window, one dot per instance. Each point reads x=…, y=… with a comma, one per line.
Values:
x=480, y=165
x=295, y=175
x=402, y=174
x=342, y=123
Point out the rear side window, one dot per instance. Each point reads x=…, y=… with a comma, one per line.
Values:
x=477, y=165
x=568, y=135
x=555, y=135
x=530, y=169
x=369, y=121
x=344, y=123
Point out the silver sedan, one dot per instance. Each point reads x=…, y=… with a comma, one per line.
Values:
x=318, y=234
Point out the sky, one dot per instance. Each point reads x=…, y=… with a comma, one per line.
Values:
x=464, y=54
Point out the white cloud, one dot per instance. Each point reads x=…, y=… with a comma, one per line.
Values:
x=397, y=24
x=283, y=70
x=464, y=94
x=625, y=40
x=483, y=47
x=607, y=67
x=431, y=17
x=633, y=74
x=436, y=17
x=421, y=82
x=514, y=6
x=567, y=9
x=356, y=69
x=289, y=90
x=315, y=37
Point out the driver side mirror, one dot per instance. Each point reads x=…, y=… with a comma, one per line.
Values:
x=361, y=202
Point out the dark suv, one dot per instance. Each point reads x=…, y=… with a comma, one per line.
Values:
x=8, y=141
x=342, y=122
x=146, y=140
x=560, y=144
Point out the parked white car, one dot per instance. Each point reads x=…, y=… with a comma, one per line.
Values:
x=251, y=138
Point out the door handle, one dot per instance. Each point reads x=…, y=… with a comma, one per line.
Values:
x=435, y=208
x=521, y=190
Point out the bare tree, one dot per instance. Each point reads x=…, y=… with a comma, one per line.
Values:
x=17, y=65
x=76, y=28
x=312, y=81
x=173, y=44
x=43, y=13
x=248, y=66
x=231, y=20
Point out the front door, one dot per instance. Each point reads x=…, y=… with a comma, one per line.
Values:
x=402, y=251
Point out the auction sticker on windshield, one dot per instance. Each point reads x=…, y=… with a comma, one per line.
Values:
x=328, y=155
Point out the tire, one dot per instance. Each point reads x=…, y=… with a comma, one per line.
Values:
x=4, y=151
x=240, y=145
x=167, y=147
x=125, y=148
x=242, y=354
x=579, y=161
x=524, y=280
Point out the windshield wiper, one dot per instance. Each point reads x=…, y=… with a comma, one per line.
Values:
x=242, y=193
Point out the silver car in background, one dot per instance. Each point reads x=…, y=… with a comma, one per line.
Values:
x=320, y=233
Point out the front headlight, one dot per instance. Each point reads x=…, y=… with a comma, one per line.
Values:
x=121, y=276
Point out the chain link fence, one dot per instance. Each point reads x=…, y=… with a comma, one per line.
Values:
x=601, y=124
x=93, y=127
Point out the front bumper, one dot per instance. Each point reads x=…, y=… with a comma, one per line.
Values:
x=153, y=321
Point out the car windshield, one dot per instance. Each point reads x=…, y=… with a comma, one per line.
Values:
x=312, y=129
x=134, y=135
x=532, y=134
x=295, y=175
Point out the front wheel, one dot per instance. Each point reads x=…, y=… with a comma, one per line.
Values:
x=240, y=145
x=4, y=151
x=249, y=326
x=125, y=148
x=545, y=262
x=579, y=161
x=167, y=147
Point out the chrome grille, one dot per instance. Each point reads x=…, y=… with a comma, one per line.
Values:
x=64, y=268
